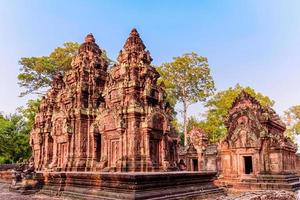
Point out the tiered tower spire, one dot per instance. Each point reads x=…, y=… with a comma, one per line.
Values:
x=134, y=51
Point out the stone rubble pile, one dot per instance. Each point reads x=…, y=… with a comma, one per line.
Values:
x=262, y=195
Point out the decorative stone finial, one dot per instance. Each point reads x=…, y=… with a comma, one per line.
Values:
x=134, y=32
x=89, y=38
x=134, y=42
x=134, y=50
x=89, y=45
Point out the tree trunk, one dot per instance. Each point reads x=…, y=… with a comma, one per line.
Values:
x=185, y=121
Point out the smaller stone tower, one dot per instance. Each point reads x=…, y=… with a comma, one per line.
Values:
x=60, y=136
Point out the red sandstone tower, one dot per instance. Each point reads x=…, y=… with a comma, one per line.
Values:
x=60, y=137
x=134, y=124
x=91, y=120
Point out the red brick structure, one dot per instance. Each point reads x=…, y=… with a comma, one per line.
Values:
x=255, y=154
x=94, y=120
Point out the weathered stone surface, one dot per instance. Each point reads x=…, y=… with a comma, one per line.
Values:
x=6, y=177
x=94, y=120
x=131, y=185
x=23, y=179
x=255, y=154
x=262, y=195
x=6, y=167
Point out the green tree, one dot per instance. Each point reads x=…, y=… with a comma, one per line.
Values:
x=218, y=107
x=29, y=111
x=37, y=72
x=188, y=81
x=14, y=139
x=193, y=122
x=292, y=120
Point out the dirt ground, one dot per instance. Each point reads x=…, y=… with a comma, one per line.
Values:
x=5, y=194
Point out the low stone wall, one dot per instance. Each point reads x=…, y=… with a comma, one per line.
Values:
x=6, y=167
x=6, y=172
x=152, y=185
x=5, y=176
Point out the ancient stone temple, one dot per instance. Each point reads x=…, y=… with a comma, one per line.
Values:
x=106, y=134
x=199, y=154
x=92, y=120
x=255, y=154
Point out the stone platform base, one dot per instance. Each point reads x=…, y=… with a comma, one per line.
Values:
x=262, y=182
x=150, y=185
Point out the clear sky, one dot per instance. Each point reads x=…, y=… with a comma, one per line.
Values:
x=252, y=42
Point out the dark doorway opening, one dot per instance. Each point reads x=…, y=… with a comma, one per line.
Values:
x=98, y=147
x=50, y=149
x=248, y=164
x=154, y=151
x=195, y=164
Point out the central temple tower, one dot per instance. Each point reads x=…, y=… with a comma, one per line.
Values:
x=134, y=123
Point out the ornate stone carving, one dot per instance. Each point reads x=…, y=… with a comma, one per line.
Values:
x=255, y=144
x=93, y=120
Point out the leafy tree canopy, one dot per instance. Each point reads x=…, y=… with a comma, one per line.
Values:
x=14, y=139
x=292, y=120
x=37, y=72
x=29, y=111
x=188, y=80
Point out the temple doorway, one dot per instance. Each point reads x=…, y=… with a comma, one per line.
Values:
x=50, y=150
x=248, y=164
x=195, y=165
x=154, y=151
x=156, y=139
x=114, y=152
x=98, y=147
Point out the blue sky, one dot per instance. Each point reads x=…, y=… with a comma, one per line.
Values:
x=254, y=43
